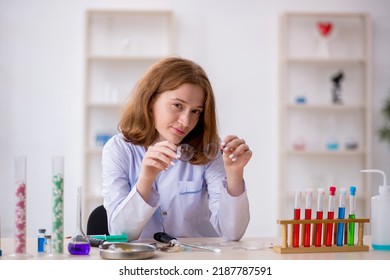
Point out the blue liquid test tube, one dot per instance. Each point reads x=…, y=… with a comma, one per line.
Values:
x=341, y=215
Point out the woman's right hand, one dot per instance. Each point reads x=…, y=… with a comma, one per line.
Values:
x=158, y=157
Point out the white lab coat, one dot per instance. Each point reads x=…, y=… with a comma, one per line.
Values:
x=187, y=200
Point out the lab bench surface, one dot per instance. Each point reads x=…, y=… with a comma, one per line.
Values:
x=248, y=248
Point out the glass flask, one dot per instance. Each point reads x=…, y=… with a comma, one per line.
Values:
x=79, y=244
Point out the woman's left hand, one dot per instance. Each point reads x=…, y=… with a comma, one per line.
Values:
x=236, y=153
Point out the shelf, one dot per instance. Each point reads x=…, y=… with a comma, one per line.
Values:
x=360, y=152
x=124, y=58
x=321, y=107
x=120, y=45
x=317, y=15
x=121, y=33
x=326, y=61
x=324, y=101
x=105, y=105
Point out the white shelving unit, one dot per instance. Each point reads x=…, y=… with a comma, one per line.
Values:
x=120, y=46
x=324, y=142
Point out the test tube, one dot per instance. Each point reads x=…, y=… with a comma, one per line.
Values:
x=319, y=216
x=297, y=216
x=20, y=205
x=341, y=215
x=306, y=241
x=352, y=207
x=57, y=204
x=329, y=226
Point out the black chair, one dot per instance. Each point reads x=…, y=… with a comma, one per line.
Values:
x=97, y=222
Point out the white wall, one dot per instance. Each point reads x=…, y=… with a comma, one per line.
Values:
x=236, y=41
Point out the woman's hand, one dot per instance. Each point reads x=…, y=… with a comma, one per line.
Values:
x=236, y=155
x=158, y=157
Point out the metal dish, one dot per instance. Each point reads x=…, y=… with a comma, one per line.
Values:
x=126, y=251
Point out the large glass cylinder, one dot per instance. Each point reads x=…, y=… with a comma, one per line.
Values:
x=20, y=205
x=57, y=204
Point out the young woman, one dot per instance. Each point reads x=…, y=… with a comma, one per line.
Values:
x=147, y=188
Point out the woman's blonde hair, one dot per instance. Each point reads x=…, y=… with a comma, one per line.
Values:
x=137, y=121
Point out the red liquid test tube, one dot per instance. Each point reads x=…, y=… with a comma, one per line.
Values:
x=306, y=241
x=319, y=216
x=329, y=226
x=297, y=216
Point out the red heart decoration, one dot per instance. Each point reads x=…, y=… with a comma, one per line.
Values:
x=324, y=28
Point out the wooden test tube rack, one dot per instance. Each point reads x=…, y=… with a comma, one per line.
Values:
x=287, y=248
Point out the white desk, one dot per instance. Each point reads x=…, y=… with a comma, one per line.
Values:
x=246, y=249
